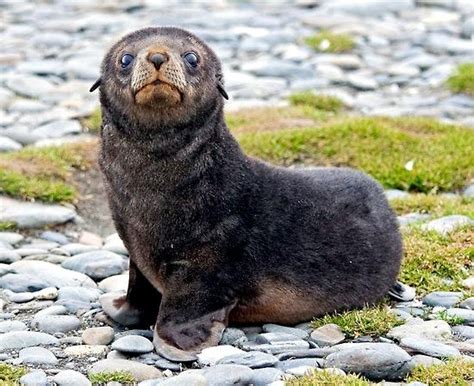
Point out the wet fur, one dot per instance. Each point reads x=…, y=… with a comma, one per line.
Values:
x=213, y=232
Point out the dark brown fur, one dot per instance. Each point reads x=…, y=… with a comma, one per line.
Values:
x=214, y=235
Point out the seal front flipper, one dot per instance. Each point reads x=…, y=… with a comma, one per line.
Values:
x=186, y=325
x=138, y=307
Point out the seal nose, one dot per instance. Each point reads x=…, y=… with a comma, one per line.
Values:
x=158, y=59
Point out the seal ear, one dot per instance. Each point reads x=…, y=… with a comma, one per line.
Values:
x=220, y=85
x=95, y=85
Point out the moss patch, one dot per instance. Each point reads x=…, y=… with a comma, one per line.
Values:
x=328, y=378
x=457, y=372
x=93, y=122
x=437, y=263
x=10, y=375
x=371, y=321
x=442, y=154
x=327, y=41
x=316, y=101
x=450, y=319
x=462, y=81
x=44, y=173
x=116, y=376
x=435, y=205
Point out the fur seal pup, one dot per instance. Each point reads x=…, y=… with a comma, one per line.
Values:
x=213, y=235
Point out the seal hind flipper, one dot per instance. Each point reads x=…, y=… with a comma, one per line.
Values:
x=401, y=292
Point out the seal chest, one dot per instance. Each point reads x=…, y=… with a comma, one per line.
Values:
x=213, y=235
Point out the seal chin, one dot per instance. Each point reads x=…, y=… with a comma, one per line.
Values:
x=158, y=93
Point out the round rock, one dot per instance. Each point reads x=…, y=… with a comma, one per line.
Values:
x=133, y=344
x=71, y=377
x=37, y=356
x=55, y=323
x=138, y=370
x=98, y=335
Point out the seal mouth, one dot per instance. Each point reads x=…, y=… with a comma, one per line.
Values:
x=160, y=89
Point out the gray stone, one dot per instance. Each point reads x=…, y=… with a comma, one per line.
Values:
x=424, y=360
x=263, y=377
x=467, y=27
x=116, y=283
x=98, y=335
x=227, y=375
x=327, y=335
x=29, y=86
x=447, y=224
x=12, y=325
x=469, y=191
x=22, y=282
x=58, y=129
x=232, y=336
x=37, y=356
x=286, y=365
x=7, y=256
x=84, y=350
x=431, y=329
x=11, y=237
x=412, y=218
x=30, y=251
x=212, y=355
x=165, y=364
x=368, y=8
x=275, y=337
x=429, y=347
x=440, y=43
x=467, y=303
x=373, y=360
x=276, y=347
x=8, y=144
x=284, y=69
x=362, y=82
x=97, y=264
x=297, y=332
x=22, y=339
x=34, y=378
x=33, y=215
x=465, y=332
x=466, y=315
x=442, y=299
x=55, y=323
x=133, y=344
x=71, y=378
x=55, y=237
x=52, y=275
x=187, y=378
x=138, y=370
x=252, y=359
x=393, y=194
x=114, y=243
x=18, y=297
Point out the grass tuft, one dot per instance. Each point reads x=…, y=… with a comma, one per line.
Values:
x=93, y=122
x=328, y=378
x=442, y=154
x=453, y=320
x=7, y=226
x=44, y=173
x=456, y=371
x=116, y=376
x=10, y=375
x=435, y=205
x=437, y=263
x=369, y=321
x=327, y=41
x=462, y=81
x=316, y=101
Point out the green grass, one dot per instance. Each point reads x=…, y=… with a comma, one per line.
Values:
x=327, y=41
x=316, y=101
x=116, y=376
x=456, y=372
x=7, y=226
x=435, y=205
x=44, y=173
x=443, y=154
x=437, y=263
x=93, y=122
x=328, y=378
x=370, y=321
x=462, y=81
x=10, y=375
x=452, y=320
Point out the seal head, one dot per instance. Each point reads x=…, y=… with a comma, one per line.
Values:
x=160, y=76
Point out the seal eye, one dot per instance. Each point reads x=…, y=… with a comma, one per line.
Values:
x=191, y=58
x=126, y=60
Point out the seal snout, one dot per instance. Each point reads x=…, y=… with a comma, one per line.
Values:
x=158, y=77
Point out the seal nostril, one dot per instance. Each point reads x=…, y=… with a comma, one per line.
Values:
x=158, y=59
